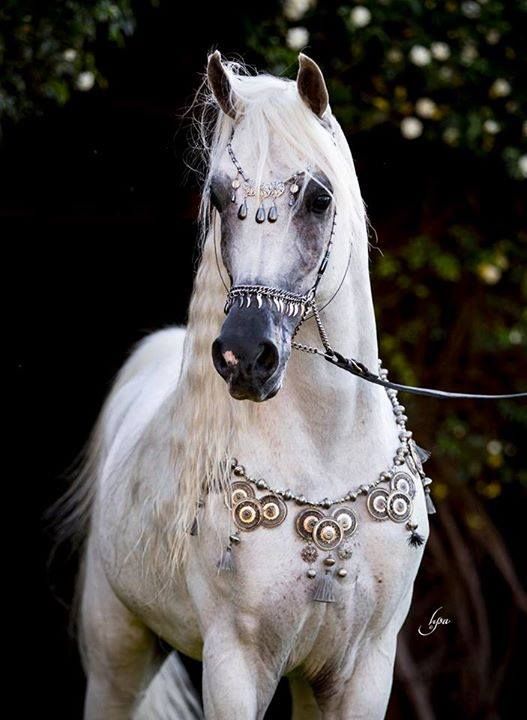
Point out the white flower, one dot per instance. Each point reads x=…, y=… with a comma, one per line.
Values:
x=297, y=38
x=425, y=107
x=451, y=135
x=69, y=55
x=489, y=273
x=522, y=165
x=471, y=9
x=394, y=55
x=500, y=88
x=420, y=55
x=446, y=73
x=493, y=37
x=296, y=9
x=440, y=50
x=515, y=336
x=469, y=53
x=411, y=127
x=491, y=126
x=360, y=16
x=85, y=80
x=494, y=447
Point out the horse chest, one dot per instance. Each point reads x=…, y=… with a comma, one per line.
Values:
x=268, y=597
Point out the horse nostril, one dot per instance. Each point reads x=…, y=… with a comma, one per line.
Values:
x=267, y=359
x=218, y=359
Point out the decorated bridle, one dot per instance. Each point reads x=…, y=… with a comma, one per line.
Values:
x=293, y=304
x=284, y=301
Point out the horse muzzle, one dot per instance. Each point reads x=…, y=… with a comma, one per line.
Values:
x=251, y=352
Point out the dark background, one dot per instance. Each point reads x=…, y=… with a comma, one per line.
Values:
x=99, y=209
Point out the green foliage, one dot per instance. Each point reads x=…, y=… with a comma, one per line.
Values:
x=47, y=49
x=450, y=71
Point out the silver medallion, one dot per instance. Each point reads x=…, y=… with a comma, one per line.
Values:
x=399, y=507
x=377, y=503
x=404, y=483
x=347, y=520
x=247, y=514
x=274, y=510
x=241, y=490
x=327, y=534
x=306, y=520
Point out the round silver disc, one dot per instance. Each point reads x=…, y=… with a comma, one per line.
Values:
x=347, y=520
x=404, y=483
x=274, y=510
x=306, y=520
x=247, y=514
x=377, y=503
x=327, y=534
x=241, y=490
x=399, y=507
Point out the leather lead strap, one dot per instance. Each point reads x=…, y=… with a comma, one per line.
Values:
x=356, y=368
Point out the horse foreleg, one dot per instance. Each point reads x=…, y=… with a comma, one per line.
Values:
x=120, y=654
x=366, y=692
x=236, y=683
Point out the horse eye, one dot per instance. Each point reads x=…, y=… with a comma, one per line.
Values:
x=214, y=199
x=320, y=203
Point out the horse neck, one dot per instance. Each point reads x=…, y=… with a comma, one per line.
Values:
x=325, y=425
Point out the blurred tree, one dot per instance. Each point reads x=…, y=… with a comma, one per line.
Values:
x=449, y=71
x=47, y=49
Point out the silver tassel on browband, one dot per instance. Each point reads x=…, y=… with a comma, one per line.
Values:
x=269, y=191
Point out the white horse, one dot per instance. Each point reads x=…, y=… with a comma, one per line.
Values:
x=315, y=599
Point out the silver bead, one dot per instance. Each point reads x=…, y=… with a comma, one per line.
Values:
x=239, y=471
x=411, y=526
x=261, y=484
x=427, y=481
x=326, y=503
x=311, y=573
x=235, y=538
x=342, y=572
x=385, y=475
x=287, y=494
x=363, y=489
x=300, y=500
x=353, y=496
x=329, y=561
x=398, y=461
x=234, y=462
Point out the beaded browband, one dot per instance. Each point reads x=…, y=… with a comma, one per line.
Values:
x=266, y=191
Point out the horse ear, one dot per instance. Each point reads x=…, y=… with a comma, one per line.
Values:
x=311, y=85
x=219, y=84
